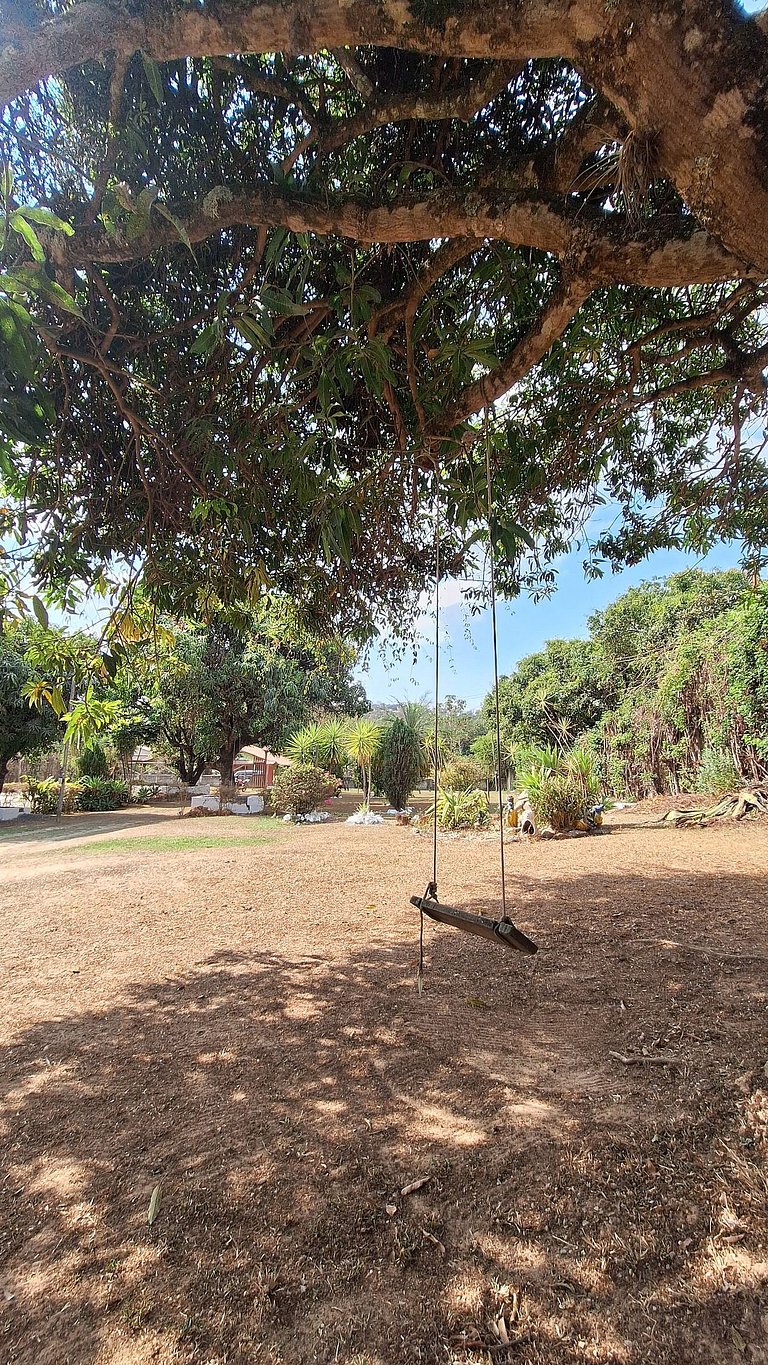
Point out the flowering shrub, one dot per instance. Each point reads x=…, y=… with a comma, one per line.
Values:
x=300, y=788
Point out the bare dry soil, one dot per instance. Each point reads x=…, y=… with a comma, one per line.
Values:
x=225, y=1011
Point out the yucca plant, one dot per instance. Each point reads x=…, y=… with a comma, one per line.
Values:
x=420, y=720
x=363, y=738
x=303, y=746
x=332, y=744
x=416, y=716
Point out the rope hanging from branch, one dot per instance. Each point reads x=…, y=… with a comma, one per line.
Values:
x=501, y=930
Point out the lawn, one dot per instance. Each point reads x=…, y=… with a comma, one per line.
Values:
x=176, y=843
x=347, y=1171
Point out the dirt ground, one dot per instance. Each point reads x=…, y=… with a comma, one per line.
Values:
x=226, y=1010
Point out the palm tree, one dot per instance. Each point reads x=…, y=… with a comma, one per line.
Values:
x=363, y=738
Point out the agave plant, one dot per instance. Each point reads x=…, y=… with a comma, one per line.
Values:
x=533, y=762
x=363, y=738
x=461, y=809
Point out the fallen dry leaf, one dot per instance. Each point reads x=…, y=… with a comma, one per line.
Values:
x=415, y=1185
x=154, y=1205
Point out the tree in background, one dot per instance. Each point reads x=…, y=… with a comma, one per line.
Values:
x=695, y=683
x=670, y=690
x=552, y=697
x=484, y=752
x=203, y=691
x=398, y=764
x=458, y=726
x=24, y=730
x=218, y=689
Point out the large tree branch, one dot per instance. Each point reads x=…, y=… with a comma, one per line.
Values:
x=659, y=258
x=462, y=103
x=692, y=77
x=88, y=30
x=557, y=312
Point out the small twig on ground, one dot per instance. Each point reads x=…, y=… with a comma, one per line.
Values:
x=639, y=1059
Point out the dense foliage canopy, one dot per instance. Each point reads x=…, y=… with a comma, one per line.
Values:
x=265, y=266
x=670, y=690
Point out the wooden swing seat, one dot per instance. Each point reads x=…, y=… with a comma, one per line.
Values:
x=501, y=930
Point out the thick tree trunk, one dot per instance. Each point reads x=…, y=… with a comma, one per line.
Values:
x=227, y=761
x=3, y=771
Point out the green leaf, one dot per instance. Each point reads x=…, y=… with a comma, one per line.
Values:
x=277, y=301
x=252, y=330
x=154, y=77
x=206, y=340
x=44, y=218
x=39, y=283
x=6, y=181
x=177, y=224
x=38, y=608
x=22, y=227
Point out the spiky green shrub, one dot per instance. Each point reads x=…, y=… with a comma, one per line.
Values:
x=562, y=788
x=461, y=809
x=303, y=747
x=332, y=745
x=581, y=765
x=529, y=758
x=557, y=800
x=363, y=739
x=398, y=763
x=301, y=788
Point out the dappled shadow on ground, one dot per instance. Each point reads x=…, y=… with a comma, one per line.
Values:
x=47, y=828
x=593, y=1211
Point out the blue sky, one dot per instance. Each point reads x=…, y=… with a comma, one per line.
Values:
x=466, y=664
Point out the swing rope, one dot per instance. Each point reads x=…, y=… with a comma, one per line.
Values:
x=431, y=891
x=494, y=632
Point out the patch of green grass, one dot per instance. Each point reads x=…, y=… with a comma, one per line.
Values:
x=170, y=843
